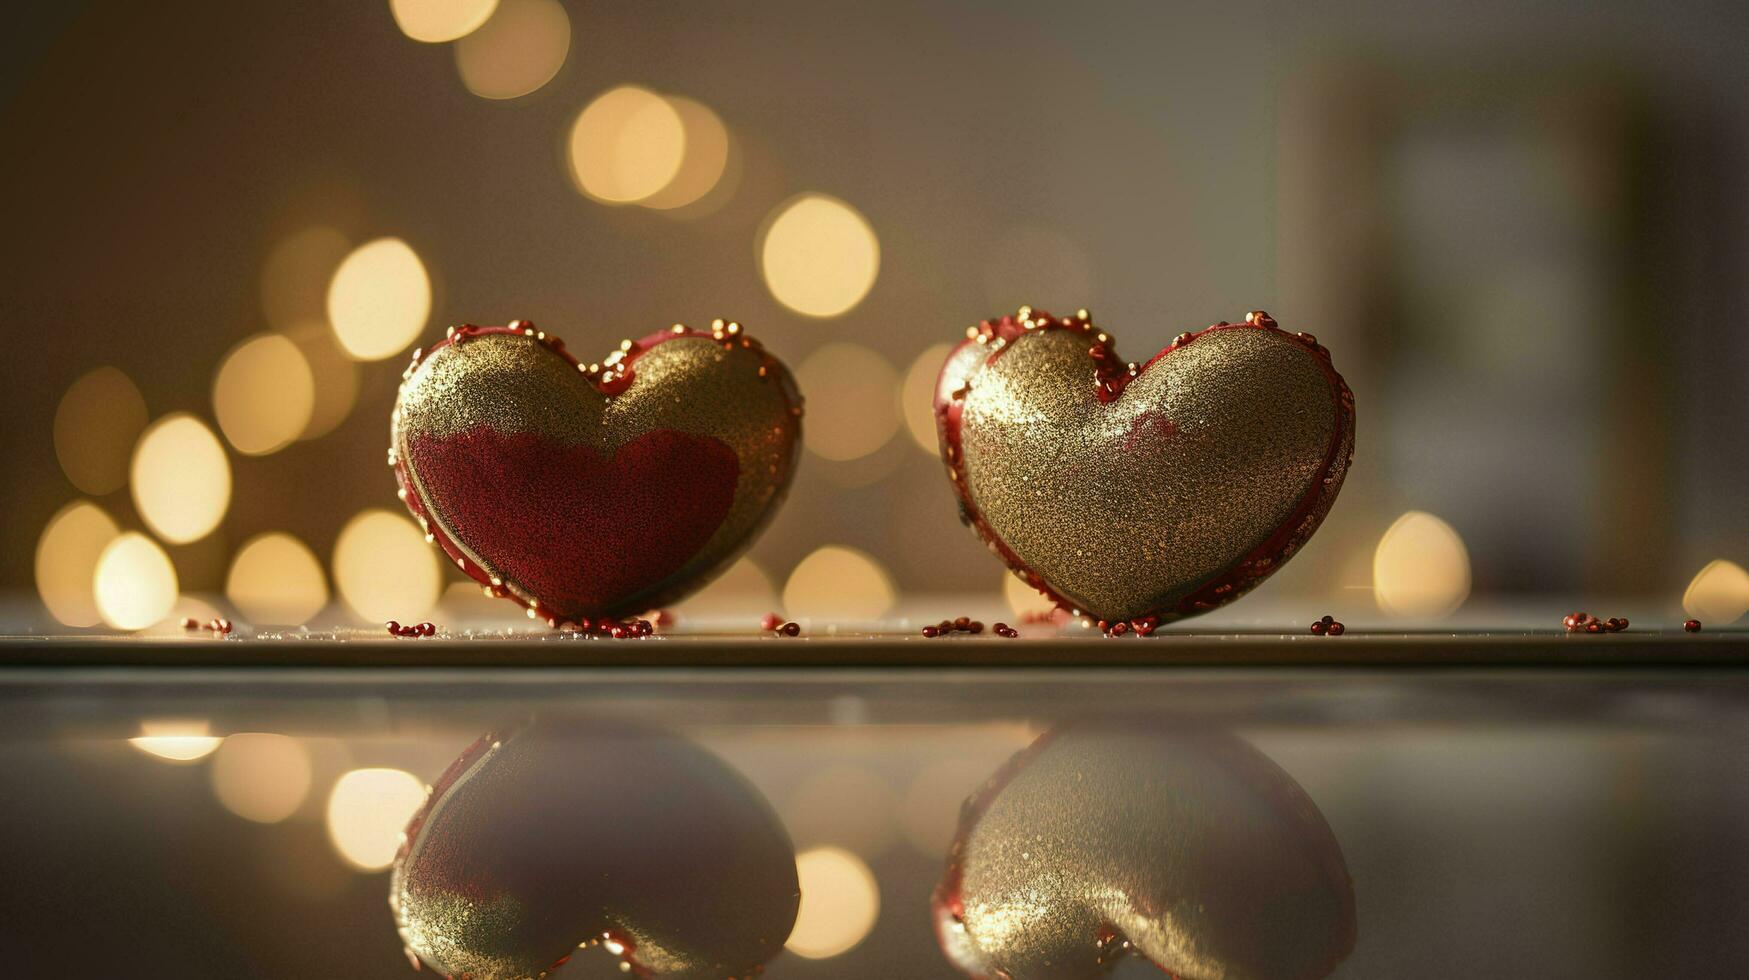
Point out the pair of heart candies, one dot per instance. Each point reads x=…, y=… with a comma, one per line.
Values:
x=1122, y=491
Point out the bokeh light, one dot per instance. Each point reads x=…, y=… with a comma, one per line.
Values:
x=851, y=408
x=1718, y=594
x=917, y=396
x=334, y=375
x=96, y=424
x=840, y=902
x=435, y=21
x=838, y=583
x=66, y=561
x=135, y=584
x=275, y=578
x=1420, y=569
x=260, y=776
x=518, y=50
x=384, y=569
x=707, y=155
x=743, y=592
x=819, y=255
x=850, y=806
x=1023, y=599
x=295, y=276
x=626, y=145
x=379, y=299
x=177, y=740
x=367, y=811
x=181, y=479
x=263, y=394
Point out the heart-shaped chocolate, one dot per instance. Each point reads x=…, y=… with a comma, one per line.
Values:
x=586, y=491
x=584, y=831
x=1143, y=493
x=1184, y=846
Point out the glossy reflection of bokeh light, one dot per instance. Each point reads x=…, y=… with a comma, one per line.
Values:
x=840, y=902
x=838, y=583
x=263, y=394
x=176, y=740
x=180, y=478
x=66, y=561
x=379, y=299
x=334, y=375
x=295, y=276
x=134, y=583
x=850, y=806
x=1420, y=569
x=819, y=255
x=1023, y=598
x=707, y=154
x=96, y=424
x=1718, y=594
x=851, y=408
x=367, y=811
x=626, y=145
x=261, y=777
x=917, y=396
x=435, y=21
x=384, y=569
x=518, y=50
x=276, y=578
x=742, y=592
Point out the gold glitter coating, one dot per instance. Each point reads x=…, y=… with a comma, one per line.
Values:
x=724, y=387
x=1187, y=847
x=1198, y=471
x=588, y=832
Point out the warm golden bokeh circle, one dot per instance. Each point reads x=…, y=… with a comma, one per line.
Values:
x=180, y=478
x=852, y=411
x=1718, y=594
x=134, y=583
x=819, y=255
x=384, y=568
x=707, y=155
x=66, y=561
x=276, y=579
x=263, y=394
x=261, y=777
x=367, y=810
x=626, y=145
x=841, y=900
x=838, y=584
x=1420, y=569
x=379, y=299
x=917, y=396
x=518, y=50
x=96, y=424
x=436, y=21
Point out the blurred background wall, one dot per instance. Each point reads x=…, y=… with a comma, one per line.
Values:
x=1518, y=226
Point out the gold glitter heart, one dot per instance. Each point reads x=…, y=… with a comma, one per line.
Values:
x=1143, y=493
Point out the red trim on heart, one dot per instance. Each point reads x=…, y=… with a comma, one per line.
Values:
x=1111, y=377
x=621, y=376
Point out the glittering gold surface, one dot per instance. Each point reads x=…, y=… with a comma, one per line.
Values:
x=732, y=391
x=1127, y=506
x=1191, y=846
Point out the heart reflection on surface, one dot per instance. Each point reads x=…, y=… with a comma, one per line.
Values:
x=569, y=832
x=1184, y=846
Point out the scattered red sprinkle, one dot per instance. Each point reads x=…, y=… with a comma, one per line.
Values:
x=1691, y=625
x=1583, y=622
x=1337, y=629
x=221, y=625
x=1118, y=629
x=932, y=632
x=189, y=623
x=791, y=629
x=1005, y=630
x=1328, y=626
x=962, y=624
x=770, y=622
x=664, y=618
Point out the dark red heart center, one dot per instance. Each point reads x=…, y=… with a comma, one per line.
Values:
x=571, y=525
